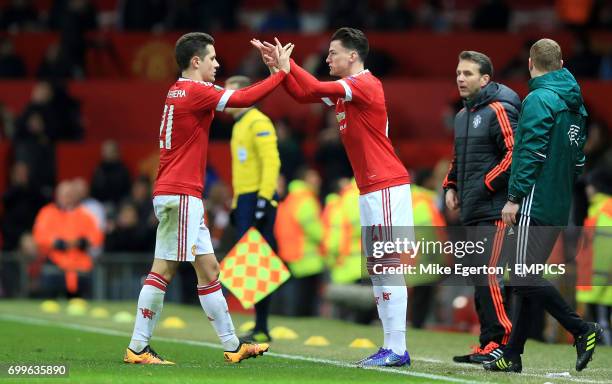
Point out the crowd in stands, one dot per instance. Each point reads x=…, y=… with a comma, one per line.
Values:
x=72, y=19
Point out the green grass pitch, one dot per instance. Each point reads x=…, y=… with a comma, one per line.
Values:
x=93, y=349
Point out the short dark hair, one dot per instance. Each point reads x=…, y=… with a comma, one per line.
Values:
x=190, y=45
x=485, y=66
x=352, y=38
x=546, y=55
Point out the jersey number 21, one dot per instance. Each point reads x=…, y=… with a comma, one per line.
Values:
x=165, y=128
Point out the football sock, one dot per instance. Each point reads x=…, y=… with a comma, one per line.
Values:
x=392, y=300
x=150, y=304
x=214, y=305
x=382, y=314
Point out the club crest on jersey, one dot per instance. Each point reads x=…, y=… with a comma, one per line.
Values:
x=147, y=313
x=476, y=122
x=572, y=134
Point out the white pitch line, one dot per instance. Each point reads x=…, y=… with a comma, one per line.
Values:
x=336, y=363
x=112, y=332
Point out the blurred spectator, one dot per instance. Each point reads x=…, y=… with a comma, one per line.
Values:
x=288, y=149
x=132, y=17
x=285, y=17
x=21, y=202
x=7, y=122
x=574, y=13
x=12, y=264
x=605, y=65
x=184, y=14
x=141, y=198
x=11, y=65
x=252, y=66
x=395, y=16
x=598, y=154
x=128, y=234
x=601, y=15
x=202, y=15
x=18, y=15
x=492, y=15
x=73, y=18
x=340, y=13
x=111, y=180
x=598, y=148
x=299, y=233
x=330, y=156
x=433, y=16
x=32, y=139
x=517, y=69
x=91, y=205
x=60, y=112
x=584, y=62
x=380, y=62
x=217, y=216
x=65, y=234
x=55, y=65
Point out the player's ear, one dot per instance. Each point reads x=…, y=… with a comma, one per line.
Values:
x=195, y=62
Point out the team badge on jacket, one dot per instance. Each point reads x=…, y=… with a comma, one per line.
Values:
x=476, y=121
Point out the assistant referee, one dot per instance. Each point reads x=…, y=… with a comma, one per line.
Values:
x=255, y=169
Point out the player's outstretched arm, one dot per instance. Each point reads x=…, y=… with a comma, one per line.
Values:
x=318, y=89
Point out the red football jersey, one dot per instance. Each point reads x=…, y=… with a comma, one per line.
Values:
x=362, y=115
x=364, y=130
x=183, y=136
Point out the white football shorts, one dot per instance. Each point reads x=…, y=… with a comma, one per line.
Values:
x=182, y=233
x=386, y=215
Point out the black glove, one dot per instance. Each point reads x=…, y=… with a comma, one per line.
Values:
x=60, y=245
x=82, y=243
x=262, y=211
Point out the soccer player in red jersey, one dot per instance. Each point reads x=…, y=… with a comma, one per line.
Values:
x=182, y=235
x=385, y=202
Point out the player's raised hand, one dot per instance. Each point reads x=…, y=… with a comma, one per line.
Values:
x=267, y=55
x=284, y=54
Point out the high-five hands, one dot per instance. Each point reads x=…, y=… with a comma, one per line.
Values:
x=276, y=57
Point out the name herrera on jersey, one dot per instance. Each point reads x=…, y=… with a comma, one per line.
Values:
x=177, y=93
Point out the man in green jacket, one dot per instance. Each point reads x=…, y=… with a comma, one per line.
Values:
x=547, y=157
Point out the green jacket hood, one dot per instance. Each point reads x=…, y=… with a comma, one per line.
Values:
x=563, y=83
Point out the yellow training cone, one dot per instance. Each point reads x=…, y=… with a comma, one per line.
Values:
x=362, y=343
x=317, y=341
x=173, y=322
x=283, y=333
x=246, y=327
x=50, y=306
x=123, y=317
x=78, y=302
x=99, y=313
x=76, y=310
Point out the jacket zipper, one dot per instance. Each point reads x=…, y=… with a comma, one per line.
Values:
x=467, y=132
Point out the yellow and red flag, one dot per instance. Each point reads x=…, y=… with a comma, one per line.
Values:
x=251, y=270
